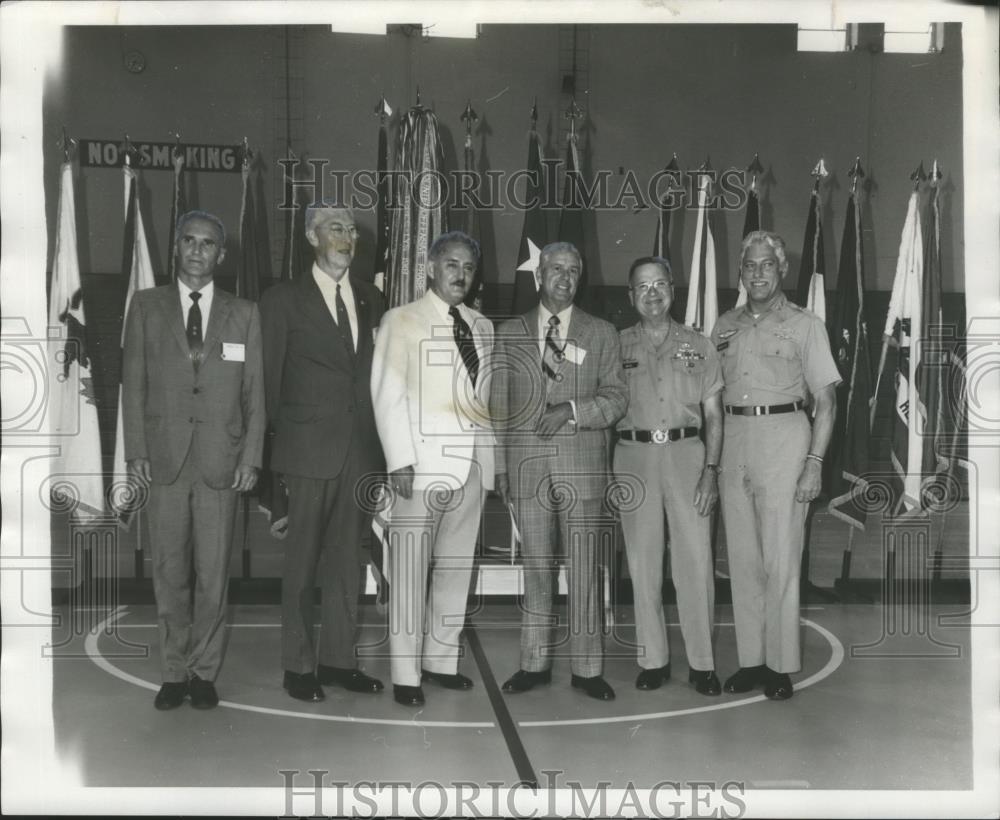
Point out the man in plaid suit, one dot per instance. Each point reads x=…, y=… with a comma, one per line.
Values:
x=557, y=387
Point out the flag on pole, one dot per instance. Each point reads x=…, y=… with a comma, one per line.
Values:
x=248, y=275
x=811, y=292
x=421, y=212
x=72, y=408
x=534, y=235
x=178, y=207
x=474, y=298
x=138, y=267
x=903, y=331
x=382, y=192
x=295, y=260
x=703, y=299
x=751, y=223
x=849, y=447
x=661, y=240
x=571, y=217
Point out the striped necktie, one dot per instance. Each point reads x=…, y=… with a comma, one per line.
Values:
x=553, y=355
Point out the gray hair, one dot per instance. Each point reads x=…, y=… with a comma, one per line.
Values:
x=652, y=260
x=559, y=247
x=454, y=238
x=772, y=240
x=314, y=211
x=183, y=220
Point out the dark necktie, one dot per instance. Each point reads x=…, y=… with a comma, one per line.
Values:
x=194, y=326
x=466, y=344
x=552, y=356
x=343, y=322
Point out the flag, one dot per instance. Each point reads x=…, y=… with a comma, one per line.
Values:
x=382, y=205
x=178, y=207
x=661, y=240
x=420, y=212
x=136, y=265
x=248, y=275
x=903, y=331
x=72, y=409
x=474, y=298
x=848, y=461
x=702, y=299
x=751, y=223
x=571, y=216
x=295, y=259
x=534, y=235
x=811, y=293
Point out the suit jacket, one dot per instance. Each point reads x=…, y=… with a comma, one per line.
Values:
x=318, y=396
x=427, y=410
x=577, y=454
x=216, y=411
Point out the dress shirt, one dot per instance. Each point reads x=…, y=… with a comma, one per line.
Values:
x=204, y=304
x=328, y=287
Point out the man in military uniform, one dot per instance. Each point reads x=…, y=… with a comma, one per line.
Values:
x=672, y=372
x=774, y=356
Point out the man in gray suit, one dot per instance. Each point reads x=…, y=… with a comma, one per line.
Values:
x=558, y=387
x=193, y=419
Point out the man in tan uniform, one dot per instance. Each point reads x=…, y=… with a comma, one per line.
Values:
x=774, y=355
x=672, y=372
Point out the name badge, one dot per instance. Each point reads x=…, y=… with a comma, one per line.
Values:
x=721, y=346
x=574, y=354
x=234, y=352
x=628, y=364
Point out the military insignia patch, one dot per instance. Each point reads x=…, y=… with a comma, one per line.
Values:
x=688, y=355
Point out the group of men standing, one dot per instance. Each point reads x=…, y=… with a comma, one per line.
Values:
x=430, y=398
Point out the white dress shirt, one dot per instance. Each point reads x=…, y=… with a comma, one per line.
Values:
x=204, y=304
x=328, y=287
x=565, y=317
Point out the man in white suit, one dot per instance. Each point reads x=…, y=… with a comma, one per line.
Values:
x=430, y=389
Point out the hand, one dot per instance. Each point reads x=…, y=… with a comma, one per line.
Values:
x=810, y=481
x=707, y=492
x=140, y=467
x=246, y=478
x=401, y=481
x=502, y=485
x=553, y=419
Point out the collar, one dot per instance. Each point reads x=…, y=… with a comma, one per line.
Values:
x=325, y=281
x=779, y=302
x=564, y=317
x=441, y=307
x=206, y=292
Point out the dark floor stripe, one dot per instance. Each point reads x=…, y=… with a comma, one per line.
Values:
x=525, y=771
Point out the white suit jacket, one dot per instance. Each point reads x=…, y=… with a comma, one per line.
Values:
x=427, y=412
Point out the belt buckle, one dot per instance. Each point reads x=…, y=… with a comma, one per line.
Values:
x=659, y=436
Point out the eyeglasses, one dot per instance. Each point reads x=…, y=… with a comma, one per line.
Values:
x=765, y=266
x=340, y=231
x=661, y=286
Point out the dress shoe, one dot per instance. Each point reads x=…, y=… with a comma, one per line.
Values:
x=745, y=679
x=705, y=683
x=171, y=695
x=353, y=679
x=778, y=685
x=596, y=687
x=408, y=695
x=652, y=678
x=456, y=681
x=203, y=694
x=303, y=686
x=522, y=681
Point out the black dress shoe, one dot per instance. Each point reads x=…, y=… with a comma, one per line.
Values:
x=303, y=686
x=745, y=679
x=353, y=679
x=203, y=694
x=778, y=685
x=596, y=687
x=456, y=681
x=171, y=695
x=705, y=683
x=522, y=681
x=408, y=695
x=652, y=678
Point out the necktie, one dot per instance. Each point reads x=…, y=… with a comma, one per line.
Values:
x=552, y=356
x=194, y=336
x=343, y=322
x=466, y=344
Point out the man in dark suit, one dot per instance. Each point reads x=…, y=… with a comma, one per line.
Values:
x=318, y=342
x=193, y=419
x=557, y=388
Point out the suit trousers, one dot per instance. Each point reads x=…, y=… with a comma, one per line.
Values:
x=665, y=477
x=432, y=532
x=761, y=463
x=550, y=517
x=191, y=528
x=325, y=524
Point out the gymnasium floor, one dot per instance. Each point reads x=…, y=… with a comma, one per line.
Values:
x=879, y=704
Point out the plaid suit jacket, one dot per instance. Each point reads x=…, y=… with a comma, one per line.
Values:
x=576, y=458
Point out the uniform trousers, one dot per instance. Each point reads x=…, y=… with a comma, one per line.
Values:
x=762, y=459
x=553, y=516
x=665, y=477
x=433, y=533
x=191, y=528
x=325, y=524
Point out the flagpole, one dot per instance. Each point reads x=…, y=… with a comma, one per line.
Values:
x=934, y=179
